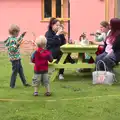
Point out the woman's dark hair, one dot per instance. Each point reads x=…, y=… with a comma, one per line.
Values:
x=104, y=24
x=52, y=22
x=115, y=28
x=115, y=24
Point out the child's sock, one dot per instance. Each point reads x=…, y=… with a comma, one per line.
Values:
x=48, y=91
x=35, y=93
x=48, y=88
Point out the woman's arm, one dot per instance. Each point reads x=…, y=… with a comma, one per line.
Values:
x=97, y=43
x=99, y=38
x=62, y=39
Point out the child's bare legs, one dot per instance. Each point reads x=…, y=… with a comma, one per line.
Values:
x=36, y=83
x=36, y=91
x=39, y=78
x=47, y=88
x=46, y=84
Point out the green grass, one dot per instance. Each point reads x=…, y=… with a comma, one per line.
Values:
x=75, y=98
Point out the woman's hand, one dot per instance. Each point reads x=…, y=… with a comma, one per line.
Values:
x=92, y=41
x=96, y=43
x=60, y=31
x=92, y=34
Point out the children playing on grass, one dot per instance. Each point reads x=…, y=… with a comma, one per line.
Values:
x=40, y=59
x=13, y=43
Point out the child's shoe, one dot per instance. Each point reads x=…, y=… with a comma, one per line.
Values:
x=47, y=94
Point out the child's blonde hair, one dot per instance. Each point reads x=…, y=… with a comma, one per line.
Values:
x=14, y=29
x=41, y=41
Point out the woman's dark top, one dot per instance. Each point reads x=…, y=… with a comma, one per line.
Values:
x=54, y=42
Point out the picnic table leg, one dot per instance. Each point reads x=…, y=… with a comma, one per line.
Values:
x=94, y=58
x=80, y=57
x=56, y=72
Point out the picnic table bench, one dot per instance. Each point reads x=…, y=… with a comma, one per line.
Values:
x=72, y=48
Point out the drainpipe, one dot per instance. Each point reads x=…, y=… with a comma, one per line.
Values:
x=69, y=21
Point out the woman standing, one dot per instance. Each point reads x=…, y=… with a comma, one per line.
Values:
x=56, y=38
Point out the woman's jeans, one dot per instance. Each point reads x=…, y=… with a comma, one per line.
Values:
x=108, y=59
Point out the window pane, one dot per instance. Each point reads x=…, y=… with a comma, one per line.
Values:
x=58, y=8
x=47, y=8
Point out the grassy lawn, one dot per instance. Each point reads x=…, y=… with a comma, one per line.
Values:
x=75, y=98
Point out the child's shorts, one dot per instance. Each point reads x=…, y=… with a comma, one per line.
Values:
x=40, y=78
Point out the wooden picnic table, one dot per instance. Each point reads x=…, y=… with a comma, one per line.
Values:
x=73, y=48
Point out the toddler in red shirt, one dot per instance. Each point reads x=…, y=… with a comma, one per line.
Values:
x=40, y=59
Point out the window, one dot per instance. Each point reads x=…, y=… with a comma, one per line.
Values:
x=58, y=8
x=54, y=8
x=47, y=8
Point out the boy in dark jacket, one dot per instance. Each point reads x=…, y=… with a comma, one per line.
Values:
x=40, y=59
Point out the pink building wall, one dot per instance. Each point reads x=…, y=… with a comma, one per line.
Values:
x=25, y=13
x=85, y=16
x=111, y=8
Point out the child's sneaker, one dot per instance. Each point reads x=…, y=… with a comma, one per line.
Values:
x=61, y=77
x=47, y=94
x=35, y=93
